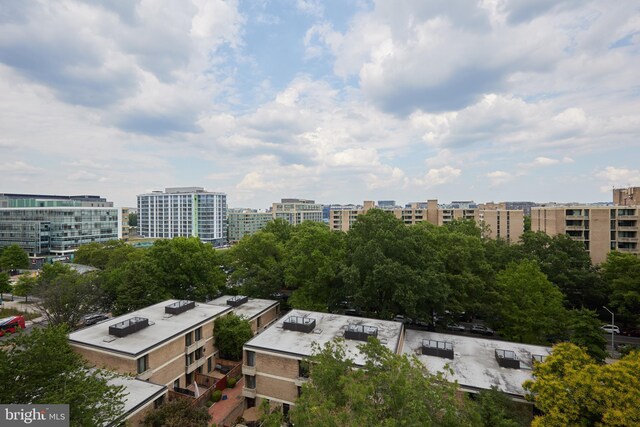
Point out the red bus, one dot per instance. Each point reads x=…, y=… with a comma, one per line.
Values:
x=11, y=325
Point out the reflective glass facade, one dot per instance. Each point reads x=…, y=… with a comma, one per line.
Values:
x=57, y=230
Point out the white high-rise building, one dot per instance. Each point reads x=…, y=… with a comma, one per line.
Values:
x=183, y=212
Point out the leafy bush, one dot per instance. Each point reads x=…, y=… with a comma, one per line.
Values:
x=216, y=395
x=231, y=383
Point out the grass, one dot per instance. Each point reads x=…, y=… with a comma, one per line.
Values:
x=8, y=312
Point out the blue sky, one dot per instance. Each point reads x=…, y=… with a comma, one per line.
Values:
x=338, y=101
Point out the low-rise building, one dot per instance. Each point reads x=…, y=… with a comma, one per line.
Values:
x=260, y=313
x=166, y=343
x=274, y=363
x=296, y=211
x=476, y=364
x=140, y=398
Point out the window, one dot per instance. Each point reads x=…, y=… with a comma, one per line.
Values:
x=158, y=402
x=176, y=383
x=250, y=381
x=303, y=368
x=259, y=321
x=251, y=358
x=187, y=339
x=209, y=364
x=198, y=333
x=143, y=363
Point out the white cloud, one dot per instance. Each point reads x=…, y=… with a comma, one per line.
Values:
x=498, y=178
x=618, y=177
x=20, y=167
x=439, y=176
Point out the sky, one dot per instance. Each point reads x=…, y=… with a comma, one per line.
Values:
x=339, y=101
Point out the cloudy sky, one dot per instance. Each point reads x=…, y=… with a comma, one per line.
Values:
x=339, y=101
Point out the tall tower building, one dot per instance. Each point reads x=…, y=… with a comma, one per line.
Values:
x=183, y=212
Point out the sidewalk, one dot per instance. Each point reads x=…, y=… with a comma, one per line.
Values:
x=26, y=308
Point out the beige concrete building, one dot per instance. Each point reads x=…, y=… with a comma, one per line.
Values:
x=499, y=222
x=260, y=313
x=626, y=196
x=164, y=344
x=600, y=228
x=275, y=366
x=296, y=211
x=245, y=222
x=140, y=398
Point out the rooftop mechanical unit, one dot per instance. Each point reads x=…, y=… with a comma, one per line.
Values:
x=237, y=301
x=129, y=326
x=300, y=324
x=360, y=332
x=179, y=307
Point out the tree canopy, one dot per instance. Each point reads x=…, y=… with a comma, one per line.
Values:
x=40, y=367
x=231, y=332
x=14, y=257
x=572, y=389
x=178, y=413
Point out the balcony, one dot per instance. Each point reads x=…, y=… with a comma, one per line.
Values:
x=249, y=392
x=300, y=381
x=193, y=347
x=248, y=370
x=574, y=227
x=627, y=239
x=627, y=228
x=628, y=250
x=144, y=376
x=633, y=216
x=196, y=364
x=573, y=217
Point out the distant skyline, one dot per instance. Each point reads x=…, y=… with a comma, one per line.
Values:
x=336, y=101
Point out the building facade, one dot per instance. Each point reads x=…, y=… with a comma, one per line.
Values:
x=274, y=361
x=626, y=196
x=296, y=211
x=497, y=223
x=600, y=228
x=183, y=212
x=245, y=222
x=164, y=344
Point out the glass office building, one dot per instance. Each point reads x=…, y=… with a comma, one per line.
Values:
x=57, y=229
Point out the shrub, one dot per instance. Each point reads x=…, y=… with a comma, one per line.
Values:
x=231, y=383
x=216, y=395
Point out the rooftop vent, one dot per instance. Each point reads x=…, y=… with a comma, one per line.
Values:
x=179, y=307
x=538, y=358
x=360, y=332
x=507, y=359
x=128, y=326
x=238, y=300
x=300, y=324
x=437, y=348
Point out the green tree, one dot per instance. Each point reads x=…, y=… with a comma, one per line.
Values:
x=178, y=413
x=100, y=255
x=586, y=333
x=393, y=269
x=13, y=258
x=622, y=273
x=279, y=228
x=190, y=268
x=390, y=390
x=313, y=260
x=527, y=223
x=133, y=219
x=528, y=307
x=496, y=409
x=572, y=389
x=258, y=264
x=5, y=284
x=43, y=368
x=65, y=296
x=25, y=286
x=231, y=332
x=135, y=285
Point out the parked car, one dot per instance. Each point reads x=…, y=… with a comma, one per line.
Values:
x=456, y=327
x=403, y=319
x=92, y=319
x=481, y=329
x=610, y=328
x=353, y=312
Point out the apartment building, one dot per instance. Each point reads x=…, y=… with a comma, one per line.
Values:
x=183, y=212
x=260, y=313
x=140, y=398
x=245, y=222
x=600, y=228
x=274, y=363
x=164, y=344
x=475, y=363
x=296, y=211
x=499, y=223
x=629, y=196
x=56, y=225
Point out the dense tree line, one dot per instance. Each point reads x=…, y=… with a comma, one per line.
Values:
x=539, y=289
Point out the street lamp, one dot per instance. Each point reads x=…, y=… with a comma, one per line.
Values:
x=612, y=327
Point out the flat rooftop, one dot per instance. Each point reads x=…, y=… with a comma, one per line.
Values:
x=474, y=363
x=250, y=309
x=328, y=326
x=162, y=327
x=137, y=393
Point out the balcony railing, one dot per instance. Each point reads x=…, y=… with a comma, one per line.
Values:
x=248, y=370
x=196, y=364
x=194, y=346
